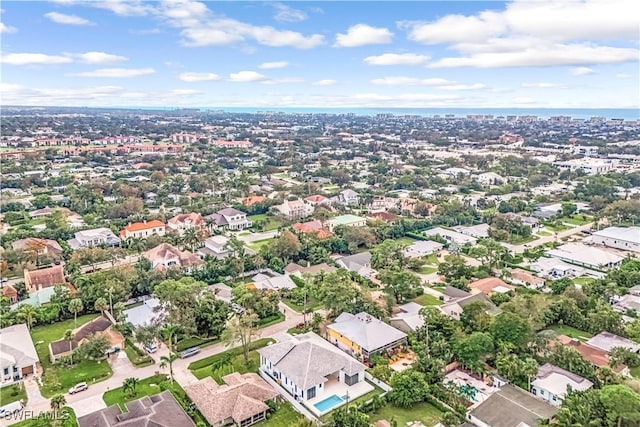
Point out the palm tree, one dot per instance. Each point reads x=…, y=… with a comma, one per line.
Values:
x=168, y=361
x=58, y=401
x=171, y=332
x=222, y=363
x=129, y=386
x=75, y=306
x=69, y=336
x=28, y=314
x=136, y=244
x=101, y=305
x=192, y=238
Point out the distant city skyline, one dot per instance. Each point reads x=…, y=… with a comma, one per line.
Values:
x=304, y=54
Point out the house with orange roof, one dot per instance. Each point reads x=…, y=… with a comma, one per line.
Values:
x=143, y=229
x=182, y=222
x=314, y=226
x=317, y=200
x=598, y=357
x=490, y=286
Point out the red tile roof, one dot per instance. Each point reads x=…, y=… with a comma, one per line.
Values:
x=139, y=226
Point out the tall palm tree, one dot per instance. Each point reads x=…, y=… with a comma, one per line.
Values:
x=222, y=363
x=192, y=238
x=58, y=401
x=75, y=306
x=69, y=336
x=168, y=361
x=101, y=305
x=171, y=332
x=28, y=314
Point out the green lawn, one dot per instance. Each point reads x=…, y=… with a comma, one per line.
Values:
x=426, y=413
x=284, y=416
x=582, y=280
x=7, y=394
x=146, y=387
x=558, y=228
x=377, y=391
x=635, y=372
x=571, y=332
x=66, y=413
x=202, y=368
x=312, y=304
x=195, y=342
x=58, y=379
x=427, y=299
x=258, y=244
x=576, y=219
x=524, y=240
x=543, y=233
x=427, y=270
x=272, y=224
x=405, y=240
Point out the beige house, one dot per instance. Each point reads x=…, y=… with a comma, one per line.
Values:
x=240, y=401
x=98, y=326
x=166, y=256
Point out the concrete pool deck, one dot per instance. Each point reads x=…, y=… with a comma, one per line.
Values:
x=334, y=387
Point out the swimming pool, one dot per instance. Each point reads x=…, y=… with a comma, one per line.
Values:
x=328, y=403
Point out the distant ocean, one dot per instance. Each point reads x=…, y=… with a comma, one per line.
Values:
x=578, y=113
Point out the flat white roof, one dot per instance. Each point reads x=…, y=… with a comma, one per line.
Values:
x=626, y=234
x=584, y=254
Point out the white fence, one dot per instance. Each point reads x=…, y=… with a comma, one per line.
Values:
x=386, y=387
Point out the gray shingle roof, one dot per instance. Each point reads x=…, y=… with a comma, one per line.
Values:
x=366, y=331
x=511, y=407
x=308, y=359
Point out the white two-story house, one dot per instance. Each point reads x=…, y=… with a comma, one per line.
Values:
x=315, y=372
x=231, y=218
x=94, y=237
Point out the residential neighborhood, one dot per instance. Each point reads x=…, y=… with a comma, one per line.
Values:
x=204, y=268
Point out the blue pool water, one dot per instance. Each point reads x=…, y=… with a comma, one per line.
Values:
x=328, y=403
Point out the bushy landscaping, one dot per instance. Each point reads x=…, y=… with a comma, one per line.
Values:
x=12, y=393
x=195, y=342
x=58, y=378
x=203, y=368
x=137, y=356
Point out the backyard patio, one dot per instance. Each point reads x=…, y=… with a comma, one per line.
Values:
x=342, y=393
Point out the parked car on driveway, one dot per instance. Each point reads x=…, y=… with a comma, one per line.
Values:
x=78, y=388
x=190, y=352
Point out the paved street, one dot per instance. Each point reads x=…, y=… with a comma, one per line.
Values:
x=91, y=400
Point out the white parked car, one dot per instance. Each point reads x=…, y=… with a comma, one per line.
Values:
x=78, y=388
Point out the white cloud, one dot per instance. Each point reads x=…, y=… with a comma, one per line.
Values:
x=362, y=35
x=179, y=92
x=456, y=28
x=411, y=81
x=124, y=8
x=7, y=29
x=542, y=55
x=99, y=58
x=581, y=71
x=541, y=33
x=146, y=32
x=397, y=59
x=117, y=73
x=247, y=77
x=61, y=18
x=34, y=59
x=286, y=13
x=623, y=76
x=523, y=100
x=544, y=85
x=284, y=80
x=324, y=82
x=271, y=65
x=474, y=86
x=198, y=77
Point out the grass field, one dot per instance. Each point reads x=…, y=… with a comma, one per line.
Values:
x=272, y=223
x=202, y=368
x=635, y=372
x=405, y=240
x=524, y=240
x=576, y=219
x=427, y=299
x=6, y=394
x=258, y=244
x=146, y=387
x=582, y=280
x=66, y=414
x=57, y=378
x=571, y=332
x=426, y=413
x=312, y=304
x=284, y=416
x=427, y=270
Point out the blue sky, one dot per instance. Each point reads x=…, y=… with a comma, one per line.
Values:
x=581, y=54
